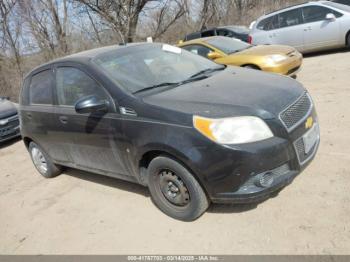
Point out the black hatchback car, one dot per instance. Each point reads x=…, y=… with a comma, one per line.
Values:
x=233, y=31
x=193, y=131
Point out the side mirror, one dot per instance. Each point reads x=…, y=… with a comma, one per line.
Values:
x=330, y=17
x=214, y=55
x=91, y=104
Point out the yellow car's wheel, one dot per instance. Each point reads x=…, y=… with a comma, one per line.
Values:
x=251, y=67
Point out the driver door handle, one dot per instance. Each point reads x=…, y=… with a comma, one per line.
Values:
x=63, y=119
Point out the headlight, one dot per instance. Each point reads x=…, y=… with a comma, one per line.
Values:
x=235, y=130
x=273, y=59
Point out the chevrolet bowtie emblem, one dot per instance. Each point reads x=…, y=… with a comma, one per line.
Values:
x=309, y=122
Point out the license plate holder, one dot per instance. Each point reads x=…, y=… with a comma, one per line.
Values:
x=311, y=138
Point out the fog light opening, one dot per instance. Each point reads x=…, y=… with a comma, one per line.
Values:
x=266, y=180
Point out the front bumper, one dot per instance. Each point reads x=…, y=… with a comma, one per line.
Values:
x=279, y=159
x=10, y=129
x=289, y=67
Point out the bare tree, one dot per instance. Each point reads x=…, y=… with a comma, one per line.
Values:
x=122, y=15
x=11, y=31
x=43, y=20
x=167, y=15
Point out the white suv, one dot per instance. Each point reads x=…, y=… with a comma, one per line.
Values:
x=308, y=27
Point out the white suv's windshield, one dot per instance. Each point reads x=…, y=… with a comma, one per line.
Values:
x=145, y=66
x=228, y=45
x=338, y=6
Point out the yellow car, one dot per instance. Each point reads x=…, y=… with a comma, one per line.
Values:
x=279, y=59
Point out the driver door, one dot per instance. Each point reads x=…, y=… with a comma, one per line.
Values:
x=318, y=32
x=94, y=143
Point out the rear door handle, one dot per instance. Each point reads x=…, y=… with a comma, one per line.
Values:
x=63, y=119
x=29, y=115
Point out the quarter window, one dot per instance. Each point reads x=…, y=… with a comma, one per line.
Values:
x=290, y=18
x=317, y=13
x=73, y=84
x=198, y=50
x=40, y=89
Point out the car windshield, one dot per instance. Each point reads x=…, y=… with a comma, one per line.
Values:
x=228, y=45
x=141, y=67
x=338, y=6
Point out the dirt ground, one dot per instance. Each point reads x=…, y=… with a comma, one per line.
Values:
x=82, y=213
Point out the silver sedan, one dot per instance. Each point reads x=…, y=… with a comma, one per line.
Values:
x=309, y=27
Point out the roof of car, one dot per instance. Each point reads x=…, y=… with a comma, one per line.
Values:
x=295, y=6
x=196, y=41
x=87, y=55
x=204, y=40
x=234, y=27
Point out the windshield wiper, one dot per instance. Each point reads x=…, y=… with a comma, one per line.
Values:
x=174, y=84
x=154, y=86
x=208, y=70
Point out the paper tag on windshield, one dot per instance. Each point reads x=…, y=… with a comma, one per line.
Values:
x=172, y=49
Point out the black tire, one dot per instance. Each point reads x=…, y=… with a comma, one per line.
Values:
x=195, y=199
x=348, y=40
x=51, y=170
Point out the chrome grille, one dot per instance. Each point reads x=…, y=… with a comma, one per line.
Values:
x=296, y=112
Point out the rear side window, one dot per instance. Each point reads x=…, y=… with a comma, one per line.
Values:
x=224, y=32
x=269, y=23
x=317, y=13
x=40, y=89
x=192, y=36
x=73, y=84
x=208, y=33
x=198, y=50
x=290, y=18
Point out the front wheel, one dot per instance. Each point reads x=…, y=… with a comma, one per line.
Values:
x=348, y=40
x=175, y=190
x=42, y=162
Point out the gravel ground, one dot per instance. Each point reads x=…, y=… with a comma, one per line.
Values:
x=82, y=213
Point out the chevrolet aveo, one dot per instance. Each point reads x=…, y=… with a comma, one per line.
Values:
x=192, y=131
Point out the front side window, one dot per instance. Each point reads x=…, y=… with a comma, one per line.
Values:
x=73, y=84
x=198, y=50
x=269, y=23
x=228, y=45
x=290, y=18
x=317, y=13
x=40, y=89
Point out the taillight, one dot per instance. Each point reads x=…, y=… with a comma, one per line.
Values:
x=250, y=39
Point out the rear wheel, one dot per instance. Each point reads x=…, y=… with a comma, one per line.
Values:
x=348, y=40
x=42, y=162
x=175, y=191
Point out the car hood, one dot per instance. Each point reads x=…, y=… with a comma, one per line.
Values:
x=265, y=50
x=232, y=92
x=7, y=109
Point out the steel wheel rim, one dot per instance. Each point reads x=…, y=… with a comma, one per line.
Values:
x=173, y=188
x=39, y=160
